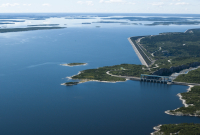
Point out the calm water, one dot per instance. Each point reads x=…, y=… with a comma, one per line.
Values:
x=32, y=101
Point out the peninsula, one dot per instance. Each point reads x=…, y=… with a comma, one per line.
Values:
x=160, y=55
x=165, y=54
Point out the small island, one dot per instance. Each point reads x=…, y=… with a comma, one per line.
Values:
x=74, y=64
x=70, y=83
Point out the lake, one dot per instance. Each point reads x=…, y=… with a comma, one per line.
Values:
x=32, y=101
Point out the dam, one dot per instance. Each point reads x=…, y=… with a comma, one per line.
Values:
x=155, y=78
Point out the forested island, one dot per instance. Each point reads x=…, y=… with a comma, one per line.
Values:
x=74, y=64
x=6, y=30
x=70, y=83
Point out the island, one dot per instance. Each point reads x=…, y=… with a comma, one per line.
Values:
x=74, y=64
x=70, y=83
x=174, y=23
x=6, y=30
x=43, y=25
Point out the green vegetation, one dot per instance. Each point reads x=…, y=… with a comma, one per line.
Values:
x=101, y=75
x=179, y=129
x=174, y=44
x=27, y=29
x=130, y=70
x=170, y=49
x=75, y=64
x=175, y=61
x=191, y=77
x=71, y=83
x=193, y=100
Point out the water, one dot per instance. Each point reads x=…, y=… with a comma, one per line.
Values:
x=32, y=101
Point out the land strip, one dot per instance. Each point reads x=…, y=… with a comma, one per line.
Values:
x=28, y=29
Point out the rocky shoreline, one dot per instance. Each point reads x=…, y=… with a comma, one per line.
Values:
x=184, y=103
x=157, y=128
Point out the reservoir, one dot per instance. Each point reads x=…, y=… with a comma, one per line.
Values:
x=32, y=101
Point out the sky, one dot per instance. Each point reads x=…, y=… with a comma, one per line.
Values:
x=100, y=6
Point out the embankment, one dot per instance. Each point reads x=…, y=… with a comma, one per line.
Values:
x=140, y=53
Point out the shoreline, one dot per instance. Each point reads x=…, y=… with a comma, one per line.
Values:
x=157, y=129
x=88, y=80
x=184, y=103
x=84, y=81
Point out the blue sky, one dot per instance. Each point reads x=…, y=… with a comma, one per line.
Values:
x=100, y=6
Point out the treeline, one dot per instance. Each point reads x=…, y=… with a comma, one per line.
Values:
x=101, y=75
x=191, y=77
x=180, y=129
x=27, y=29
x=75, y=64
x=174, y=44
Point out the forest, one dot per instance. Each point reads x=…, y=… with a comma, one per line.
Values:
x=193, y=99
x=180, y=129
x=6, y=30
x=191, y=77
x=101, y=75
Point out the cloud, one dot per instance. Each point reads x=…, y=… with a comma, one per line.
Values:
x=89, y=3
x=26, y=4
x=9, y=5
x=79, y=2
x=181, y=3
x=111, y=1
x=46, y=4
x=157, y=3
x=131, y=3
